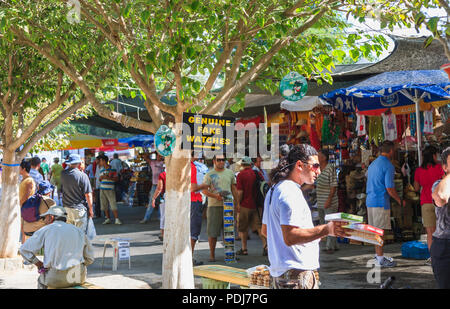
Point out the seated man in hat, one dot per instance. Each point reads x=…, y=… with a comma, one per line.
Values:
x=67, y=251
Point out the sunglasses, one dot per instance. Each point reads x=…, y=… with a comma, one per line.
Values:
x=220, y=160
x=314, y=166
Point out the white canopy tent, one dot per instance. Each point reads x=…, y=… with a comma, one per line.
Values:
x=307, y=103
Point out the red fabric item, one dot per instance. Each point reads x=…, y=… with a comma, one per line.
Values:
x=162, y=177
x=195, y=196
x=256, y=120
x=94, y=166
x=426, y=178
x=246, y=182
x=314, y=138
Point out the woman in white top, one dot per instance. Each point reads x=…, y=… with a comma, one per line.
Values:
x=293, y=241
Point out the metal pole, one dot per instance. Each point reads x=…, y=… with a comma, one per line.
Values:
x=419, y=133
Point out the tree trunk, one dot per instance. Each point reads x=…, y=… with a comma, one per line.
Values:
x=177, y=252
x=9, y=207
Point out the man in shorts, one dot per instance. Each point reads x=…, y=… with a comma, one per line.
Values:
x=249, y=214
x=220, y=180
x=380, y=187
x=108, y=178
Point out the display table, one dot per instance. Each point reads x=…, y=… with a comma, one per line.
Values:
x=220, y=277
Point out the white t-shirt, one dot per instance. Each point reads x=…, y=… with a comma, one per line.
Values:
x=389, y=127
x=288, y=207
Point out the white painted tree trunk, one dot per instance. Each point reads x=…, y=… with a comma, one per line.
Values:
x=9, y=208
x=177, y=252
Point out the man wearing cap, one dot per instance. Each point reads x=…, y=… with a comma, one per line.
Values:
x=76, y=193
x=67, y=251
x=246, y=206
x=28, y=228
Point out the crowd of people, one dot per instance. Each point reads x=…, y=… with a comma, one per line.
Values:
x=282, y=220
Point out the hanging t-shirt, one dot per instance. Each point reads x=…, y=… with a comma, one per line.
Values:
x=361, y=125
x=428, y=122
x=389, y=127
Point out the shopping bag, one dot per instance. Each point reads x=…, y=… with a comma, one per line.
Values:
x=91, y=232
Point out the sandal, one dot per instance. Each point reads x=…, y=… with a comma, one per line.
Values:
x=242, y=252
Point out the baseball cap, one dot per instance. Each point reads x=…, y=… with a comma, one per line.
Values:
x=246, y=160
x=45, y=187
x=74, y=158
x=56, y=211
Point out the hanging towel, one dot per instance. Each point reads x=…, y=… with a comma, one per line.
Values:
x=361, y=125
x=428, y=122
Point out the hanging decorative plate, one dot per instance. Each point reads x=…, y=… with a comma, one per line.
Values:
x=165, y=141
x=293, y=86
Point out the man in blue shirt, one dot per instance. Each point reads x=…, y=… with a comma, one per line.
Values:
x=380, y=187
x=34, y=171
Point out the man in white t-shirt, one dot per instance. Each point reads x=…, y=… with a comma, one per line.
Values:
x=293, y=241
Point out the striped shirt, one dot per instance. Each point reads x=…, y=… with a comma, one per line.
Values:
x=107, y=184
x=326, y=180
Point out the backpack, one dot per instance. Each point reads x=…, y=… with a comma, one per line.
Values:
x=30, y=208
x=261, y=187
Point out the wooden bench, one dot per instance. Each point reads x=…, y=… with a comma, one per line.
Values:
x=220, y=277
x=84, y=286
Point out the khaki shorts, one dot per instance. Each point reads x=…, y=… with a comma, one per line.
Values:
x=108, y=197
x=214, y=221
x=249, y=218
x=428, y=215
x=379, y=217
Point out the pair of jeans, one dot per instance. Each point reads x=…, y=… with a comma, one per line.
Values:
x=440, y=261
x=150, y=209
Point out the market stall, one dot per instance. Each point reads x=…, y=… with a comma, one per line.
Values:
x=385, y=107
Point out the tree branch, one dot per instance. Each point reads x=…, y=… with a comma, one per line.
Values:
x=228, y=93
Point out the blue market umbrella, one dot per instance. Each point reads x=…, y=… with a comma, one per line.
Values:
x=392, y=89
x=138, y=140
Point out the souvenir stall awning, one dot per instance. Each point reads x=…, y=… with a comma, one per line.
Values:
x=138, y=140
x=393, y=90
x=90, y=141
x=390, y=90
x=305, y=104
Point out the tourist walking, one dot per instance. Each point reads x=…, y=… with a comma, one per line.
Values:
x=326, y=193
x=222, y=182
x=45, y=169
x=116, y=164
x=156, y=167
x=293, y=240
x=108, y=177
x=196, y=208
x=380, y=188
x=76, y=193
x=34, y=171
x=440, y=247
x=424, y=178
x=249, y=212
x=160, y=194
x=67, y=251
x=55, y=178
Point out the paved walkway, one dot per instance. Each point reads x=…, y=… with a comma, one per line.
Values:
x=346, y=269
